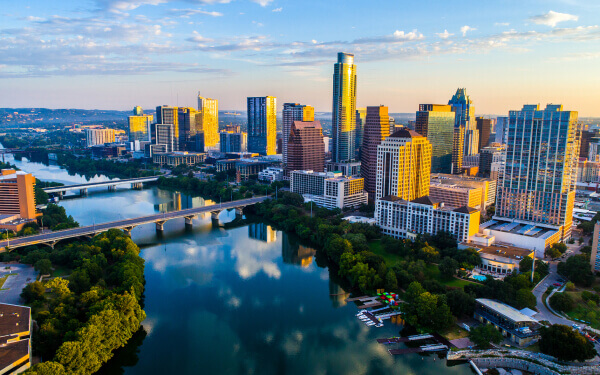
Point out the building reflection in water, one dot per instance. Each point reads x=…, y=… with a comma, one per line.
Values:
x=337, y=295
x=294, y=253
x=176, y=201
x=262, y=232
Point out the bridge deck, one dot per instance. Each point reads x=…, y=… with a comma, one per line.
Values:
x=55, y=189
x=126, y=223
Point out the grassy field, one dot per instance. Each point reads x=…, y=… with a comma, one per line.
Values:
x=2, y=280
x=390, y=259
x=454, y=332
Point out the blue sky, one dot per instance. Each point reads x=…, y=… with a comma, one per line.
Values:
x=114, y=54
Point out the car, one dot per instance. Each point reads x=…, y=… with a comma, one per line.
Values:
x=557, y=284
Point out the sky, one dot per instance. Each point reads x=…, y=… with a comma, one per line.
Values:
x=115, y=54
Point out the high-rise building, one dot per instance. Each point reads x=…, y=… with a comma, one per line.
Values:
x=95, y=137
x=488, y=156
x=501, y=129
x=262, y=124
x=436, y=123
x=403, y=165
x=138, y=111
x=484, y=126
x=233, y=142
x=139, y=126
x=376, y=129
x=595, y=254
x=306, y=150
x=208, y=122
x=538, y=188
x=361, y=116
x=586, y=137
x=293, y=112
x=233, y=128
x=17, y=195
x=168, y=115
x=330, y=190
x=343, y=123
x=458, y=141
x=462, y=105
x=165, y=135
x=188, y=127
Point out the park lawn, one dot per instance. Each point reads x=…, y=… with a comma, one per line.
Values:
x=60, y=271
x=454, y=332
x=433, y=272
x=3, y=279
x=390, y=259
x=588, y=312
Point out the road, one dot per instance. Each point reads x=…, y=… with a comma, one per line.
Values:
x=544, y=313
x=55, y=189
x=126, y=223
x=21, y=275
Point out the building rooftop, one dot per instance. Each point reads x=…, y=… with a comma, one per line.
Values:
x=406, y=133
x=307, y=124
x=466, y=210
x=13, y=320
x=514, y=227
x=451, y=186
x=13, y=352
x=502, y=250
x=507, y=311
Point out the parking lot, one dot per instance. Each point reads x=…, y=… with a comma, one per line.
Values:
x=19, y=276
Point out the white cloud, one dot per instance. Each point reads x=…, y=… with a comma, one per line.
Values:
x=501, y=24
x=444, y=35
x=465, y=29
x=186, y=13
x=277, y=10
x=121, y=6
x=553, y=18
x=263, y=3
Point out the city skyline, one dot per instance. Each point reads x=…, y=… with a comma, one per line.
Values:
x=120, y=53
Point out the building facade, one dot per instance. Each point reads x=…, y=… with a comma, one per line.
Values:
x=595, y=254
x=488, y=156
x=164, y=134
x=139, y=127
x=361, y=119
x=403, y=165
x=167, y=115
x=262, y=125
x=464, y=111
x=95, y=137
x=329, y=190
x=174, y=159
x=486, y=185
x=455, y=195
x=436, y=123
x=538, y=186
x=17, y=196
x=512, y=323
x=343, y=122
x=208, y=121
x=233, y=142
x=306, y=150
x=271, y=174
x=293, y=112
x=376, y=129
x=406, y=219
x=484, y=126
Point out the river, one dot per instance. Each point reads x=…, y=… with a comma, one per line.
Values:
x=248, y=300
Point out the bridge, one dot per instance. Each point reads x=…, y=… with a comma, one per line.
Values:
x=136, y=183
x=127, y=225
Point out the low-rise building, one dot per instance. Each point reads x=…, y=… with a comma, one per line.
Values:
x=487, y=185
x=15, y=331
x=330, y=190
x=522, y=234
x=403, y=219
x=588, y=171
x=360, y=220
x=174, y=159
x=271, y=174
x=244, y=167
x=496, y=258
x=512, y=323
x=456, y=196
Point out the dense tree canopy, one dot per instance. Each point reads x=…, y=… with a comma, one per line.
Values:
x=485, y=334
x=565, y=343
x=577, y=269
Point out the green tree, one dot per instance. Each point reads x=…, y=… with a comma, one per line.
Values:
x=33, y=292
x=565, y=343
x=43, y=266
x=336, y=246
x=553, y=253
x=47, y=368
x=524, y=298
x=460, y=302
x=485, y=334
x=577, y=269
x=561, y=247
x=391, y=283
x=561, y=302
x=429, y=254
x=448, y=267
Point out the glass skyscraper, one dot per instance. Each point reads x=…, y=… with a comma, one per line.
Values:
x=462, y=105
x=208, y=121
x=262, y=123
x=436, y=123
x=538, y=186
x=293, y=112
x=344, y=109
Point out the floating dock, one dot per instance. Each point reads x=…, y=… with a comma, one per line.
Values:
x=413, y=338
x=420, y=349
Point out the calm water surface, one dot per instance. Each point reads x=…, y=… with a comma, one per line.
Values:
x=248, y=300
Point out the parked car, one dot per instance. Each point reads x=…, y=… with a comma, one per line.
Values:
x=557, y=284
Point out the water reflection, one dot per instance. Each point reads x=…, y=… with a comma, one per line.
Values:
x=262, y=232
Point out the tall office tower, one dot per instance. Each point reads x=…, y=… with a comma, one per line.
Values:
x=95, y=137
x=361, y=115
x=377, y=128
x=462, y=105
x=488, y=156
x=458, y=143
x=262, y=124
x=584, y=148
x=138, y=111
x=541, y=162
x=139, y=127
x=343, y=122
x=165, y=135
x=17, y=195
x=501, y=129
x=306, y=150
x=188, y=128
x=436, y=123
x=484, y=126
x=233, y=142
x=168, y=115
x=403, y=165
x=293, y=112
x=209, y=121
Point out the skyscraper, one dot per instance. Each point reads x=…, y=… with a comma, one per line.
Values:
x=208, y=121
x=306, y=150
x=17, y=195
x=169, y=116
x=484, y=126
x=344, y=109
x=139, y=125
x=165, y=135
x=294, y=112
x=538, y=185
x=188, y=128
x=376, y=129
x=462, y=105
x=138, y=111
x=436, y=122
x=403, y=165
x=262, y=124
x=233, y=142
x=361, y=114
x=95, y=137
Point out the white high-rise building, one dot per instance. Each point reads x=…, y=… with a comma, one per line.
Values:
x=95, y=137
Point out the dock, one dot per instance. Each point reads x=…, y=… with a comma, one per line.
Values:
x=420, y=349
x=389, y=315
x=413, y=338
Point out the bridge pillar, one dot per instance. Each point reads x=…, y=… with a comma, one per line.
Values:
x=112, y=187
x=83, y=191
x=137, y=185
x=127, y=230
x=239, y=212
x=59, y=194
x=189, y=220
x=160, y=225
x=215, y=214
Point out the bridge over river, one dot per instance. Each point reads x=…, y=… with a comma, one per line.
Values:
x=51, y=238
x=135, y=183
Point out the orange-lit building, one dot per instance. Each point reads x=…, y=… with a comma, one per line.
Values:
x=17, y=195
